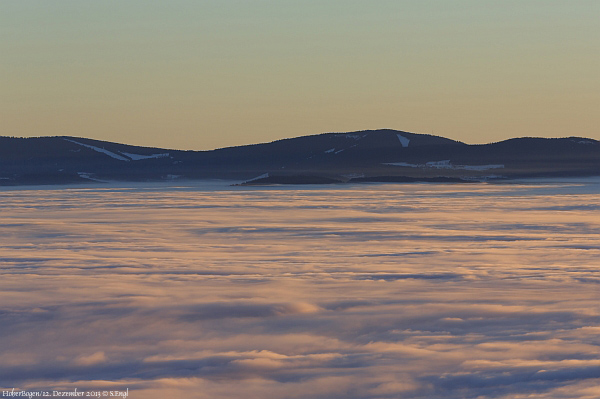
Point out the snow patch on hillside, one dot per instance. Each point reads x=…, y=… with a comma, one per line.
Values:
x=102, y=150
x=122, y=157
x=405, y=164
x=403, y=140
x=479, y=167
x=137, y=157
x=263, y=176
x=446, y=164
x=439, y=164
x=86, y=175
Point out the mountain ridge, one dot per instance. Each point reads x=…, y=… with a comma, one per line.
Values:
x=359, y=155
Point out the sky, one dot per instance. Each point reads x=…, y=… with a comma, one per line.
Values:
x=205, y=74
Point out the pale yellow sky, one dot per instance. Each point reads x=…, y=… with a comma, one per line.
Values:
x=206, y=74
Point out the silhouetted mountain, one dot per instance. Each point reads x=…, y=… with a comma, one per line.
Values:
x=370, y=155
x=289, y=179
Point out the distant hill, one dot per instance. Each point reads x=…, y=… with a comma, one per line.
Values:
x=369, y=155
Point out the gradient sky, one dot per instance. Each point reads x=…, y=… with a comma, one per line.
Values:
x=211, y=73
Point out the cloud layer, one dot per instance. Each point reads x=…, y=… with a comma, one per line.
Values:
x=378, y=291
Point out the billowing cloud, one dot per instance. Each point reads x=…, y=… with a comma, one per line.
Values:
x=378, y=291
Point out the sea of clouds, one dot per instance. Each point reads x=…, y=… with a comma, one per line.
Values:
x=350, y=291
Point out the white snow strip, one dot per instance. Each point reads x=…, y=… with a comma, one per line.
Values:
x=446, y=164
x=137, y=157
x=439, y=164
x=86, y=175
x=408, y=165
x=102, y=150
x=479, y=167
x=354, y=136
x=263, y=176
x=403, y=140
x=330, y=150
x=337, y=152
